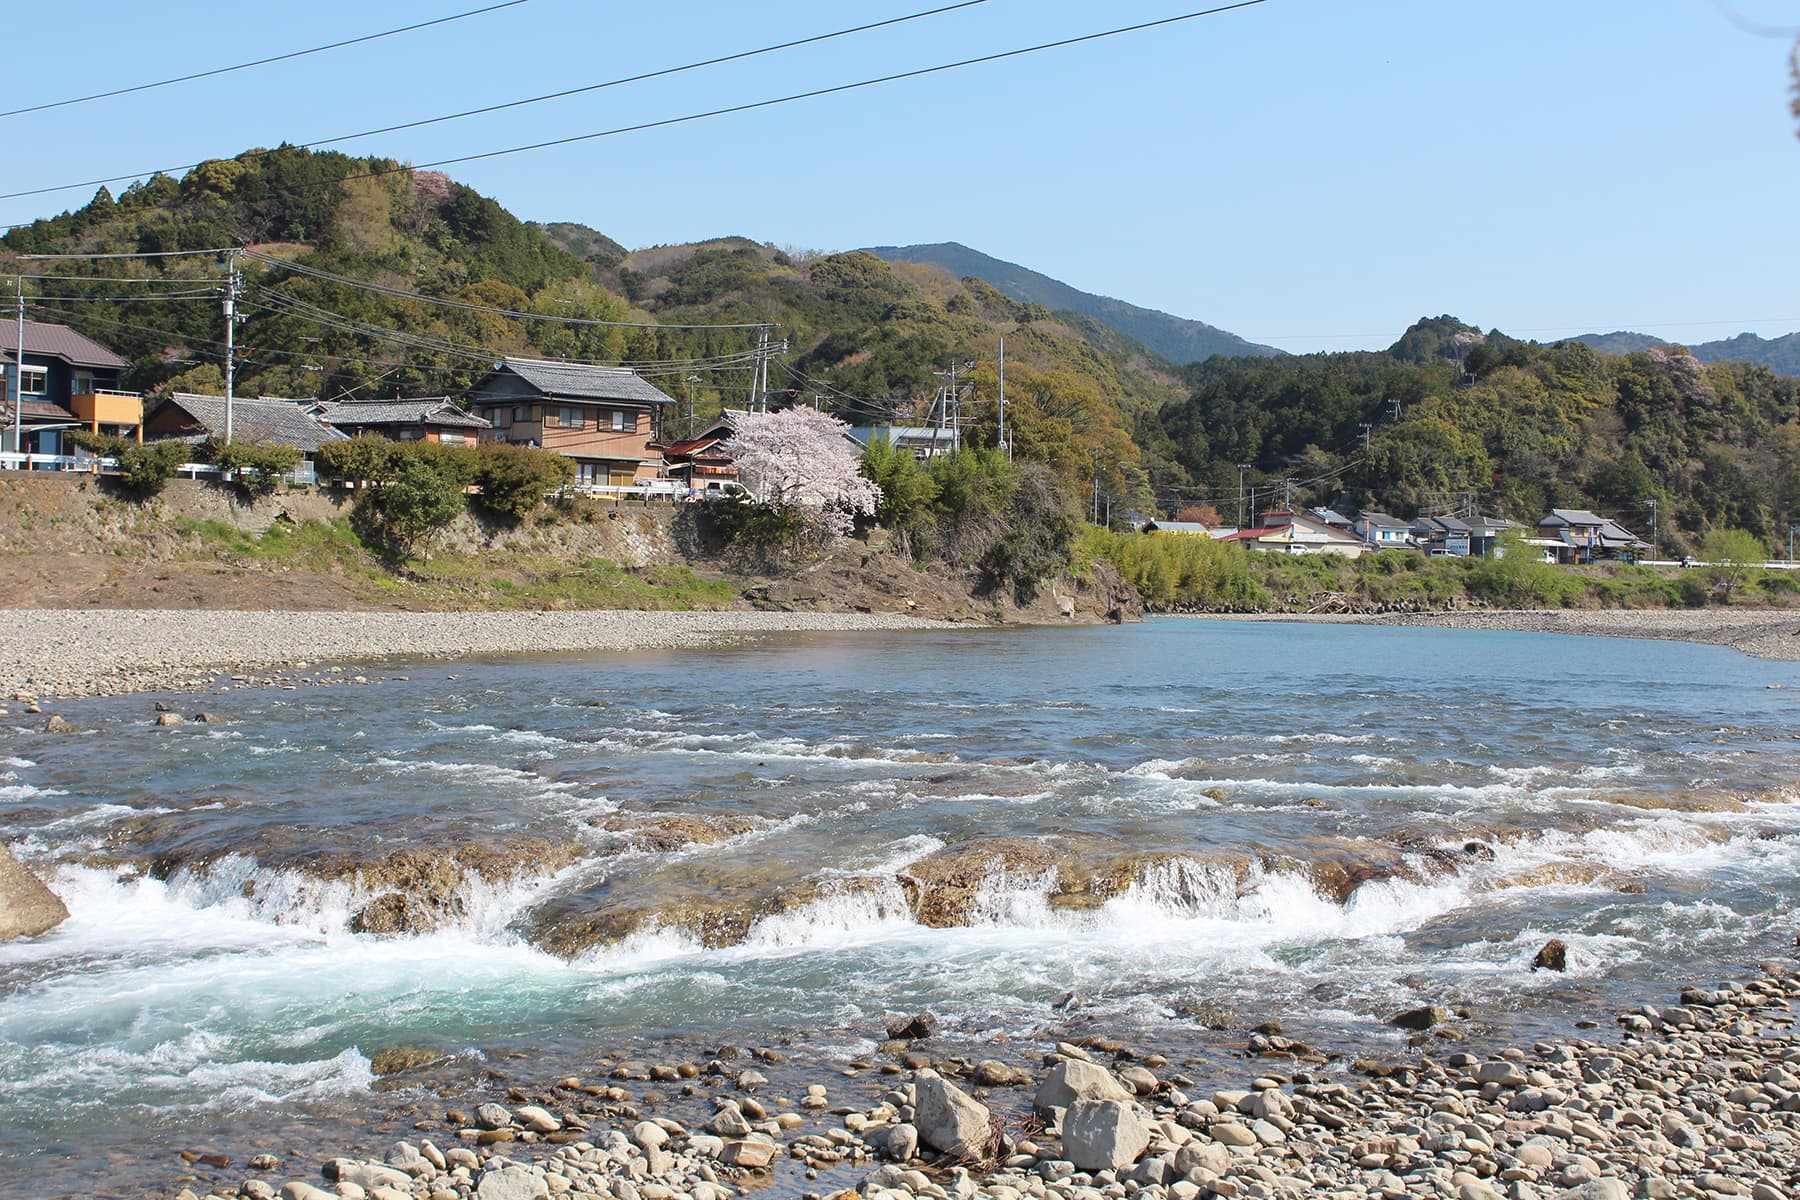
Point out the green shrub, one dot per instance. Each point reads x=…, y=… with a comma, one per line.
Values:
x=407, y=512
x=255, y=467
x=365, y=458
x=145, y=469
x=907, y=489
x=514, y=480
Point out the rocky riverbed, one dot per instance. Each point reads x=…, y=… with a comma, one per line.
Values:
x=67, y=653
x=1694, y=1099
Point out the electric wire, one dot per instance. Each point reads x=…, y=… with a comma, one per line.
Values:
x=729, y=110
x=445, y=302
x=261, y=62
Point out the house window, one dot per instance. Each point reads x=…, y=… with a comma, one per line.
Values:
x=449, y=438
x=409, y=435
x=502, y=418
x=624, y=422
x=565, y=417
x=522, y=413
x=36, y=380
x=82, y=383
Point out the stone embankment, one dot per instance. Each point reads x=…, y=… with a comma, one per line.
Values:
x=67, y=653
x=1697, y=1099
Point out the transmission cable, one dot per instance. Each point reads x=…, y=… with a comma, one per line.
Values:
x=261, y=62
x=729, y=110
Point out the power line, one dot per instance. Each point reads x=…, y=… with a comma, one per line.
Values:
x=593, y=87
x=404, y=294
x=78, y=257
x=612, y=83
x=736, y=108
x=261, y=62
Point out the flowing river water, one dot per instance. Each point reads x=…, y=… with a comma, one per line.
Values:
x=1168, y=832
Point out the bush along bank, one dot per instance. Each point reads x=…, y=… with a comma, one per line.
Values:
x=1179, y=573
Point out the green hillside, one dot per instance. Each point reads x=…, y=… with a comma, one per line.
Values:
x=865, y=336
x=1780, y=354
x=1175, y=338
x=1500, y=425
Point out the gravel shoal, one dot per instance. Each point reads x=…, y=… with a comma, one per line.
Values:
x=1771, y=634
x=68, y=653
x=1696, y=1098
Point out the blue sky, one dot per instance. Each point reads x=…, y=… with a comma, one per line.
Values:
x=1315, y=174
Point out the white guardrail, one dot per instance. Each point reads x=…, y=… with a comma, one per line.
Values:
x=13, y=461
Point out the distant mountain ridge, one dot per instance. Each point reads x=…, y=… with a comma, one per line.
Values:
x=1175, y=338
x=1781, y=355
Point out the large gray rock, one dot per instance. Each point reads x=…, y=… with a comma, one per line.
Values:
x=1072, y=1079
x=27, y=907
x=1104, y=1135
x=951, y=1121
x=512, y=1183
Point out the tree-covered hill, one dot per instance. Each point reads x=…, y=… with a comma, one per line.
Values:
x=865, y=336
x=1780, y=354
x=1458, y=420
x=347, y=263
x=1177, y=339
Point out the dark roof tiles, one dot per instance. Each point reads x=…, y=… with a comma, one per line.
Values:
x=58, y=341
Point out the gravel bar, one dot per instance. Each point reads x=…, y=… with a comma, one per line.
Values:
x=69, y=653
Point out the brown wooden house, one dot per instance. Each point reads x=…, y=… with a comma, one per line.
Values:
x=436, y=419
x=605, y=418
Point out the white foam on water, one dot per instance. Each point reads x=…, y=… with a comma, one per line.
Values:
x=14, y=792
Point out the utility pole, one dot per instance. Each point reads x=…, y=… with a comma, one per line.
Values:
x=1003, y=446
x=1651, y=505
x=1242, y=467
x=231, y=291
x=1791, y=531
x=1287, y=494
x=1253, y=524
x=18, y=396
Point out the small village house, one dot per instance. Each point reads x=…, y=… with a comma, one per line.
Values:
x=1382, y=531
x=434, y=419
x=1298, y=533
x=1183, y=528
x=69, y=382
x=921, y=441
x=605, y=418
x=268, y=420
x=702, y=462
x=1574, y=535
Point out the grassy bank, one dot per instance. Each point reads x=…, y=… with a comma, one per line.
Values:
x=1194, y=573
x=490, y=578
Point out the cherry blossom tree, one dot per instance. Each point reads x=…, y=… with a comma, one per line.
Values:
x=802, y=460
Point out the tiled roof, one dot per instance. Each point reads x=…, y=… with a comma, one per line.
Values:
x=436, y=410
x=58, y=341
x=36, y=412
x=1383, y=521
x=581, y=381
x=285, y=422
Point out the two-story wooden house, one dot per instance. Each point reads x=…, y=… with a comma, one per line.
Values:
x=605, y=418
x=69, y=382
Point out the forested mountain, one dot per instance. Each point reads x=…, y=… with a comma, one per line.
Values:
x=864, y=335
x=1458, y=420
x=1175, y=338
x=1781, y=355
x=1453, y=418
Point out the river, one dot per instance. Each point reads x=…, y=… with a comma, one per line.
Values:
x=1169, y=832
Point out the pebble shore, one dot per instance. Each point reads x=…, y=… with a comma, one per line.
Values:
x=1700, y=1098
x=70, y=653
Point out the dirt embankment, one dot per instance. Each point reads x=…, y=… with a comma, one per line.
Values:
x=73, y=542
